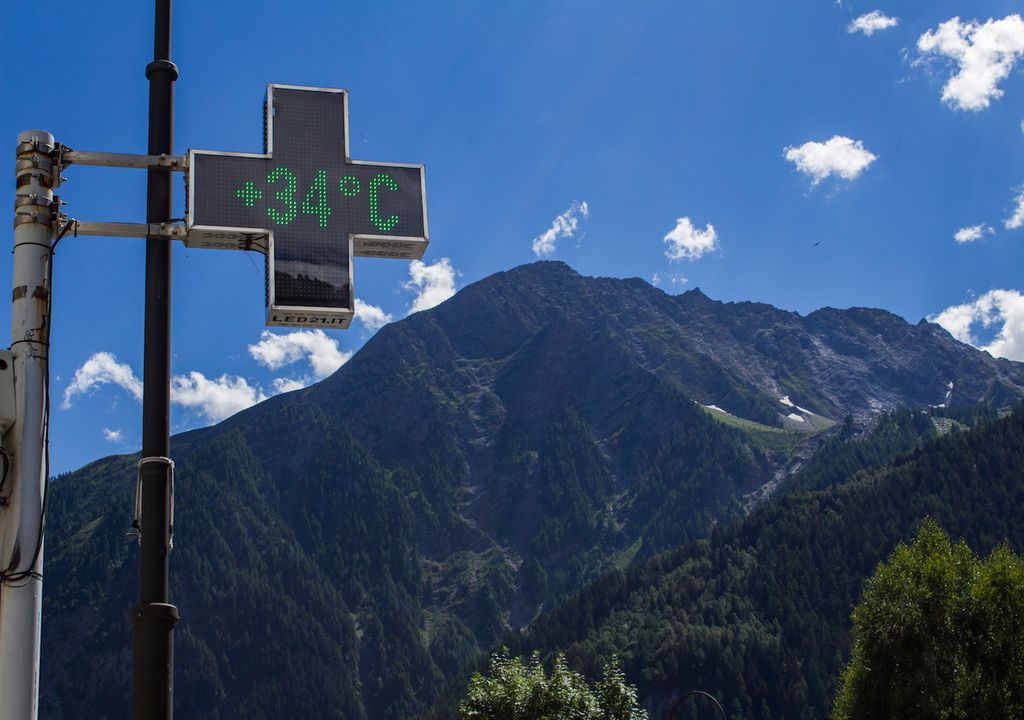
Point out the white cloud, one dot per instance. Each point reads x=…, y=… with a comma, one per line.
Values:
x=564, y=226
x=216, y=399
x=657, y=279
x=838, y=156
x=433, y=284
x=283, y=385
x=277, y=350
x=373, y=317
x=985, y=55
x=1017, y=219
x=114, y=436
x=685, y=242
x=872, y=22
x=1003, y=308
x=102, y=368
x=972, y=233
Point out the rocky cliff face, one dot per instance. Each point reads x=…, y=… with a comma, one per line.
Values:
x=545, y=329
x=357, y=541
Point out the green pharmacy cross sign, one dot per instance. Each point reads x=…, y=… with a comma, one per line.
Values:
x=307, y=206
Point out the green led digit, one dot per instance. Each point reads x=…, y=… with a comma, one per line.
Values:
x=320, y=208
x=249, y=193
x=285, y=195
x=384, y=224
x=349, y=185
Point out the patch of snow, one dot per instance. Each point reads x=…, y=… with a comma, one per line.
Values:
x=795, y=417
x=715, y=407
x=789, y=403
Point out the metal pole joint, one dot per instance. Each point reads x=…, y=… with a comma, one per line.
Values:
x=158, y=613
x=162, y=66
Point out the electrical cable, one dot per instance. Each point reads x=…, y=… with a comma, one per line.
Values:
x=63, y=232
x=25, y=576
x=7, y=469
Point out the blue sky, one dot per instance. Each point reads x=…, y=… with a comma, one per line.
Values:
x=760, y=151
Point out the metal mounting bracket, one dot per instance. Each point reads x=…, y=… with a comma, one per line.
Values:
x=66, y=156
x=70, y=226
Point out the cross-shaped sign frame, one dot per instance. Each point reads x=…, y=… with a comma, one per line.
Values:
x=211, y=223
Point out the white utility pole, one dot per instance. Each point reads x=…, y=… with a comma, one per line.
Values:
x=23, y=490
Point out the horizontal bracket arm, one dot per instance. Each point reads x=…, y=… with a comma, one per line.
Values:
x=172, y=231
x=174, y=163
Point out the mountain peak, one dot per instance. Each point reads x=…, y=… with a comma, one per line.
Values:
x=548, y=265
x=542, y=269
x=696, y=297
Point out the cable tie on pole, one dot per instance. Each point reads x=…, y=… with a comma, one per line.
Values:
x=136, y=527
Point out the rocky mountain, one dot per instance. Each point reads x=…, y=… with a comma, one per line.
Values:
x=742, y=357
x=343, y=549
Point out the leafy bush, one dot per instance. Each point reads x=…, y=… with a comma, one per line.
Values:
x=523, y=691
x=939, y=634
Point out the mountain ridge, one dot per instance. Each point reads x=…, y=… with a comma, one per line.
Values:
x=731, y=323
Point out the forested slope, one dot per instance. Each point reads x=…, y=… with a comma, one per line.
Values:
x=759, y=613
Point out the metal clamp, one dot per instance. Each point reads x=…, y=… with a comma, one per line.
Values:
x=34, y=177
x=136, y=527
x=35, y=144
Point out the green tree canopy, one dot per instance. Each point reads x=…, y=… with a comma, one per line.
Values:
x=517, y=690
x=938, y=635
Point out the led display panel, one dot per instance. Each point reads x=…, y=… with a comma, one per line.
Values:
x=307, y=206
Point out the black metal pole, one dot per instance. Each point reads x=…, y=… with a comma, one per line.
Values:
x=153, y=620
